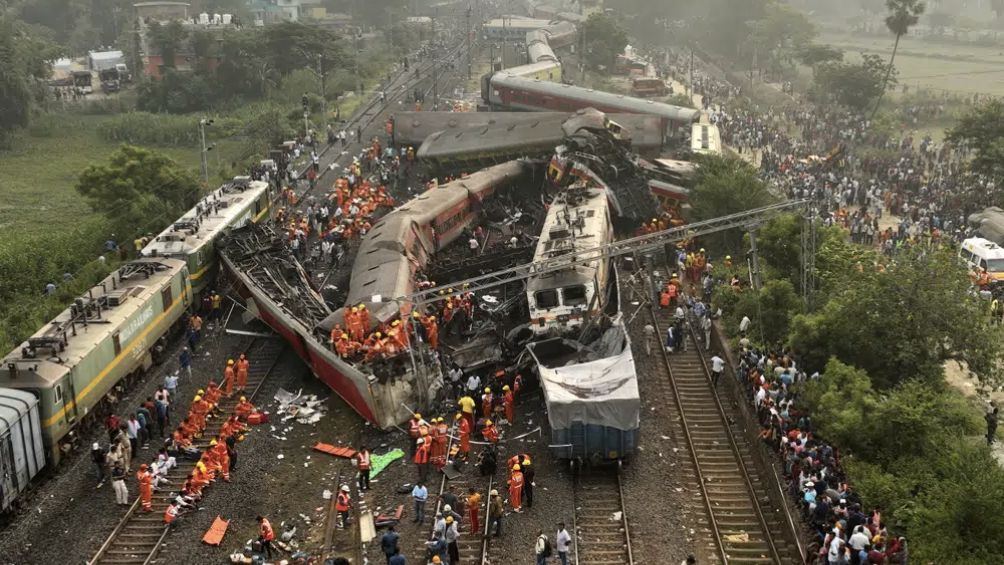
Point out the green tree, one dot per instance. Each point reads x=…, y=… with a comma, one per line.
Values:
x=167, y=39
x=605, y=39
x=727, y=185
x=981, y=130
x=779, y=242
x=814, y=54
x=176, y=92
x=841, y=403
x=903, y=14
x=245, y=71
x=896, y=324
x=24, y=60
x=138, y=190
x=855, y=85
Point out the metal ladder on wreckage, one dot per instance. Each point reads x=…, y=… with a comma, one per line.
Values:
x=139, y=536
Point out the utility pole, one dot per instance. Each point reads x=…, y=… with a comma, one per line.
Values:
x=691, y=80
x=203, y=154
x=468, y=40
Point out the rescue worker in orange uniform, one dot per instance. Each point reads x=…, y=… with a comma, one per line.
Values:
x=464, y=429
x=421, y=459
x=516, y=489
x=243, y=367
x=363, y=461
x=145, y=479
x=344, y=347
x=431, y=331
x=414, y=427
x=490, y=433
x=212, y=394
x=442, y=438
x=243, y=409
x=486, y=403
x=364, y=317
x=342, y=505
x=199, y=411
x=228, y=378
x=211, y=458
x=222, y=457
x=507, y=399
x=265, y=536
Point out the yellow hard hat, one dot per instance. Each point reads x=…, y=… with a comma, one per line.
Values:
x=728, y=257
x=418, y=416
x=362, y=306
x=212, y=442
x=378, y=335
x=396, y=323
x=244, y=399
x=436, y=559
x=654, y=220
x=515, y=467
x=200, y=466
x=702, y=250
x=345, y=336
x=197, y=398
x=494, y=492
x=488, y=389
x=355, y=308
x=230, y=361
x=506, y=387
x=415, y=314
x=201, y=392
x=488, y=422
x=442, y=292
x=449, y=519
x=450, y=291
x=457, y=416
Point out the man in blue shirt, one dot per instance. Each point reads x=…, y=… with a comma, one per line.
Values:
x=420, y=494
x=388, y=543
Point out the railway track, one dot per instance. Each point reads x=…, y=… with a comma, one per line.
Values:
x=602, y=536
x=744, y=528
x=139, y=536
x=472, y=545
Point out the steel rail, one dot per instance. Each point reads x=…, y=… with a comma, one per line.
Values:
x=101, y=554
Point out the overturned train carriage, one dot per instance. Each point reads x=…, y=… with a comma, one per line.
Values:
x=22, y=453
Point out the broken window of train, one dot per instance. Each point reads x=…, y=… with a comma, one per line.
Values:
x=573, y=295
x=546, y=299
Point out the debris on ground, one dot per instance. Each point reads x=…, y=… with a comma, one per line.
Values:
x=304, y=408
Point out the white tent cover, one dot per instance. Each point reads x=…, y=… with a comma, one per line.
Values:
x=602, y=391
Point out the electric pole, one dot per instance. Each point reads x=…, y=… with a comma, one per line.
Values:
x=468, y=40
x=203, y=154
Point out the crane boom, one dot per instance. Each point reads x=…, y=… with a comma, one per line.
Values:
x=637, y=244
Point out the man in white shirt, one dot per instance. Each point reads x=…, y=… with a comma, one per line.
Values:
x=563, y=541
x=717, y=367
x=744, y=325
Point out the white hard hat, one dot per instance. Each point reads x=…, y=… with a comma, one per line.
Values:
x=447, y=508
x=345, y=488
x=96, y=446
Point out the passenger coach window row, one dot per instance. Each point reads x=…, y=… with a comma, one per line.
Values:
x=570, y=296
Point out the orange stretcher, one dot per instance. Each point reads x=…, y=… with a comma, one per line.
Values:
x=336, y=451
x=214, y=535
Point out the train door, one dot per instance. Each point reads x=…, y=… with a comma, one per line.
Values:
x=61, y=395
x=8, y=472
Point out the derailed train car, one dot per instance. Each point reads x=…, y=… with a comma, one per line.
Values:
x=22, y=453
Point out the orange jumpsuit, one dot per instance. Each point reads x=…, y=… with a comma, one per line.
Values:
x=432, y=332
x=465, y=437
x=243, y=366
x=507, y=399
x=223, y=457
x=228, y=380
x=441, y=446
x=491, y=434
x=516, y=489
x=243, y=410
x=145, y=490
x=486, y=405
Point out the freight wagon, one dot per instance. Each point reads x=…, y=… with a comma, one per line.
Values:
x=73, y=363
x=22, y=454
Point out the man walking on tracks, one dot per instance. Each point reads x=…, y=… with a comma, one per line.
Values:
x=420, y=494
x=145, y=479
x=363, y=459
x=564, y=541
x=228, y=378
x=342, y=505
x=516, y=489
x=717, y=367
x=542, y=549
x=473, y=508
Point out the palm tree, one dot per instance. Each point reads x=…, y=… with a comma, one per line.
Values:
x=903, y=14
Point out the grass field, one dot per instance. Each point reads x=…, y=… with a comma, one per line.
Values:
x=938, y=65
x=38, y=175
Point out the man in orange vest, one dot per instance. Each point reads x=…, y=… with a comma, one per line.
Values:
x=363, y=459
x=414, y=427
x=342, y=505
x=228, y=378
x=464, y=429
x=222, y=457
x=516, y=489
x=145, y=479
x=243, y=367
x=421, y=459
x=265, y=535
x=432, y=331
